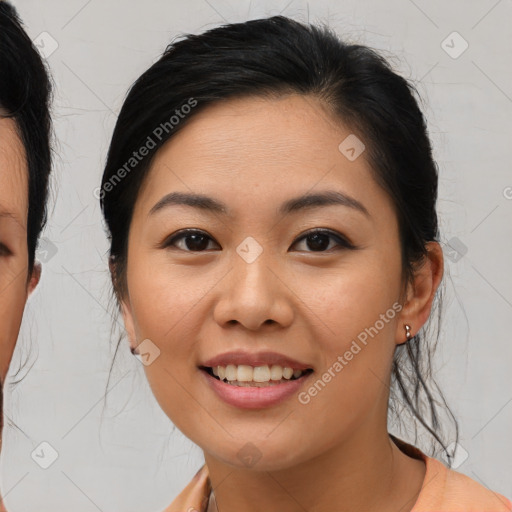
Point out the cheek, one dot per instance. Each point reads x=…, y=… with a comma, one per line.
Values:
x=356, y=338
x=12, y=303
x=350, y=300
x=164, y=299
x=167, y=308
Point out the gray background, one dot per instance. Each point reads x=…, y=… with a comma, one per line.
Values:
x=125, y=456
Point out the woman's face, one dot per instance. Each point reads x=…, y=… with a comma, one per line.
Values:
x=253, y=282
x=13, y=240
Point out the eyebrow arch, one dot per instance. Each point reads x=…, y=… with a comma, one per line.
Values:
x=6, y=214
x=306, y=201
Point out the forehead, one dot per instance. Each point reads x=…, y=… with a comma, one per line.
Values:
x=13, y=173
x=252, y=151
x=287, y=128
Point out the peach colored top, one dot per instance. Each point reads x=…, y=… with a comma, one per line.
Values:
x=443, y=490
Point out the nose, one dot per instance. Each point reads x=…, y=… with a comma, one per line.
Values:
x=254, y=294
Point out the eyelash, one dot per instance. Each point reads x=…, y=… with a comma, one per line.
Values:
x=341, y=241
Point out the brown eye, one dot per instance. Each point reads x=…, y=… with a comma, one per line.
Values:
x=193, y=240
x=319, y=240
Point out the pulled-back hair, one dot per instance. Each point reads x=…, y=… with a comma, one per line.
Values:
x=273, y=57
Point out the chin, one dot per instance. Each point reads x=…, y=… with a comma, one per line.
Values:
x=258, y=456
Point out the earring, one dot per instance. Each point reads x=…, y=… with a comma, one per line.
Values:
x=408, y=332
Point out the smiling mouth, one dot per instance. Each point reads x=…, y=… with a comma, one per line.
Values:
x=260, y=376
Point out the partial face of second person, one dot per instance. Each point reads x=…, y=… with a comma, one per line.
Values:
x=15, y=285
x=195, y=298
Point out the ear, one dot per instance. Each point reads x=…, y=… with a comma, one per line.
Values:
x=124, y=303
x=34, y=278
x=421, y=292
x=129, y=323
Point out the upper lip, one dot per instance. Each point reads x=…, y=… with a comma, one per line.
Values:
x=255, y=359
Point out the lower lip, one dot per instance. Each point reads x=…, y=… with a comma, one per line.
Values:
x=253, y=397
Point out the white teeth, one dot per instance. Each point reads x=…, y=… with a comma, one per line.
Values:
x=231, y=372
x=287, y=373
x=276, y=372
x=261, y=374
x=244, y=373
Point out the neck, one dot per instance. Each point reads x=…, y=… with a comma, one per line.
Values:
x=367, y=472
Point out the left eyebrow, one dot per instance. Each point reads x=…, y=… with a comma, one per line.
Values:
x=200, y=201
x=9, y=216
x=327, y=198
x=4, y=213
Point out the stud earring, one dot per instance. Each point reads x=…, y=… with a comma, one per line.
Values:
x=408, y=332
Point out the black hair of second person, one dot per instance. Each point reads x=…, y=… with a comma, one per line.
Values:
x=272, y=57
x=25, y=97
x=25, y=94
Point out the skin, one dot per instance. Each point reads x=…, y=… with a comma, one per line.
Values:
x=253, y=154
x=15, y=282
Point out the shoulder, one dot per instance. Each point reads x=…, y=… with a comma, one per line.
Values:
x=447, y=490
x=450, y=491
x=194, y=497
